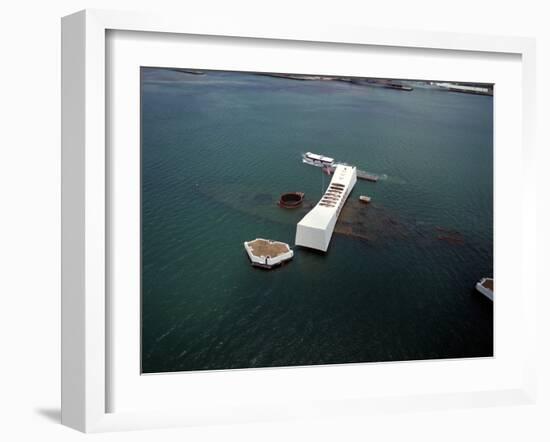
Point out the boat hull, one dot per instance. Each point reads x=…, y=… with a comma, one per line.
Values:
x=316, y=163
x=487, y=292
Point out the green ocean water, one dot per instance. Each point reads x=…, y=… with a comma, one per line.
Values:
x=397, y=282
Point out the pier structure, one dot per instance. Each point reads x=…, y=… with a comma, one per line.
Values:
x=362, y=175
x=315, y=229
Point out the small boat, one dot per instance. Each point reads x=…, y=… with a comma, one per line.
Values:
x=291, y=200
x=486, y=286
x=365, y=199
x=316, y=160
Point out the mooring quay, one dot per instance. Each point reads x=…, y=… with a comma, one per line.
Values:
x=362, y=175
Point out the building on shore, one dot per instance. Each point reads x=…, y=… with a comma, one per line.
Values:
x=464, y=88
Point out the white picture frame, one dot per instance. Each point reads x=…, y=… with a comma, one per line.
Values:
x=85, y=206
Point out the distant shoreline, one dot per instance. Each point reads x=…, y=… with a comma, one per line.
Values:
x=465, y=88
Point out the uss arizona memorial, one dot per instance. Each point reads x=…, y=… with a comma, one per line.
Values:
x=315, y=229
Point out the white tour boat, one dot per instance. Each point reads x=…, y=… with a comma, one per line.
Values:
x=316, y=160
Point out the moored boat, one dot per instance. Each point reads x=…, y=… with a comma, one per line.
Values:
x=364, y=199
x=361, y=174
x=317, y=160
x=485, y=286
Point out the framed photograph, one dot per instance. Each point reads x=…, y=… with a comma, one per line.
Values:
x=267, y=223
